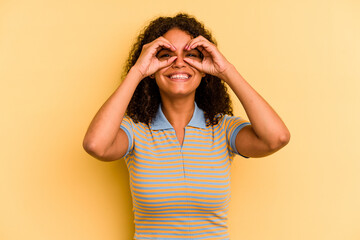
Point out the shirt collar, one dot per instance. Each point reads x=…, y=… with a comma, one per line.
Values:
x=160, y=122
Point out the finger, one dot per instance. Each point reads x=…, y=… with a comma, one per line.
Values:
x=206, y=48
x=203, y=51
x=195, y=64
x=205, y=45
x=156, y=45
x=197, y=40
x=166, y=43
x=167, y=62
x=163, y=45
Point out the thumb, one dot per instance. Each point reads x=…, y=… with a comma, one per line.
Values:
x=167, y=62
x=195, y=64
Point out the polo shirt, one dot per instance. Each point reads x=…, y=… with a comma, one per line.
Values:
x=181, y=191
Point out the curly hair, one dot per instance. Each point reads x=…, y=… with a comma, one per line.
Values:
x=211, y=95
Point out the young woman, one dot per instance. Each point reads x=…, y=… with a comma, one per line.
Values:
x=171, y=119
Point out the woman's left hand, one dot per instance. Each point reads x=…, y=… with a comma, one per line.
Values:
x=213, y=62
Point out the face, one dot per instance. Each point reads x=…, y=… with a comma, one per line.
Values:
x=179, y=79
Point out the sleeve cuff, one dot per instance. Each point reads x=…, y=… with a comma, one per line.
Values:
x=233, y=137
x=129, y=136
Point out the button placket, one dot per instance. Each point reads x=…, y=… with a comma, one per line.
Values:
x=185, y=177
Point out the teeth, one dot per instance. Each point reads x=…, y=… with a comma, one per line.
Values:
x=179, y=76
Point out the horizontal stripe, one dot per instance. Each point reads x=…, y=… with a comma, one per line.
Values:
x=193, y=196
x=181, y=192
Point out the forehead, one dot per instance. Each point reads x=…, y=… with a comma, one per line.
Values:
x=177, y=37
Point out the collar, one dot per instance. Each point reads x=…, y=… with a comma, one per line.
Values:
x=160, y=122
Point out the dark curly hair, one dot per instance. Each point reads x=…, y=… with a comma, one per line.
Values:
x=211, y=95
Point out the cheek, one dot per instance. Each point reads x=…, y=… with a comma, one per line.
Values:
x=160, y=81
x=157, y=81
x=159, y=74
x=157, y=78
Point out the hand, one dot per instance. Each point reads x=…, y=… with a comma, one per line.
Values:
x=213, y=63
x=148, y=63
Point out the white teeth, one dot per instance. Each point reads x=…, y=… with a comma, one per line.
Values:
x=179, y=76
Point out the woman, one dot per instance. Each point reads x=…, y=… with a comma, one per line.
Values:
x=179, y=136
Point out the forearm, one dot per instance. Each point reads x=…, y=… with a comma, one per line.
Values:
x=105, y=125
x=265, y=122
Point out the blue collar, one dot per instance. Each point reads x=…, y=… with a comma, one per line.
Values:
x=160, y=122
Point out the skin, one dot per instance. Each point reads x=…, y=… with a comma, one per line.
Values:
x=176, y=52
x=178, y=95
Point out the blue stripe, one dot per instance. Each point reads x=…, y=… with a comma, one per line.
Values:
x=203, y=160
x=168, y=215
x=187, y=232
x=176, y=197
x=180, y=177
x=157, y=178
x=187, y=181
x=171, y=203
x=160, y=150
x=172, y=187
x=177, y=225
x=183, y=192
x=165, y=211
x=181, y=220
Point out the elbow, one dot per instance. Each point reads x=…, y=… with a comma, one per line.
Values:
x=280, y=141
x=92, y=148
x=284, y=138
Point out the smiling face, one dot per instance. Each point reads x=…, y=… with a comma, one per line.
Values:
x=179, y=79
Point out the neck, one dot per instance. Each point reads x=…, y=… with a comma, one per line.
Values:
x=178, y=111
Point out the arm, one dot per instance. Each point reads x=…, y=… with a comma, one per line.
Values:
x=104, y=139
x=267, y=132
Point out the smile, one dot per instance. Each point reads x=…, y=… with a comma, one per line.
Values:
x=180, y=76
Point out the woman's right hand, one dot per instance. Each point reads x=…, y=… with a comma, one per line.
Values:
x=147, y=63
x=104, y=138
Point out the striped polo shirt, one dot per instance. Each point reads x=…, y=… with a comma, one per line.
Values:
x=181, y=192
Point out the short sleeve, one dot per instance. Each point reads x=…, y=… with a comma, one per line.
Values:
x=233, y=125
x=127, y=125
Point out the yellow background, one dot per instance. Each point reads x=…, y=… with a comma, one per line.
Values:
x=60, y=60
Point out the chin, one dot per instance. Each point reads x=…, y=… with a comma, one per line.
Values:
x=178, y=94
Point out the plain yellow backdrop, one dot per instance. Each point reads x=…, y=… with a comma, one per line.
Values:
x=60, y=60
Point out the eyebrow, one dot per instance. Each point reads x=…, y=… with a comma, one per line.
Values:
x=161, y=50
x=168, y=50
x=197, y=50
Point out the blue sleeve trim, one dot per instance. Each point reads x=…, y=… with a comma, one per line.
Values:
x=233, y=137
x=130, y=139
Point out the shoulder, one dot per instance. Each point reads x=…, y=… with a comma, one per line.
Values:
x=232, y=124
x=228, y=119
x=128, y=122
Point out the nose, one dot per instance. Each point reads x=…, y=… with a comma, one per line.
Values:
x=179, y=62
